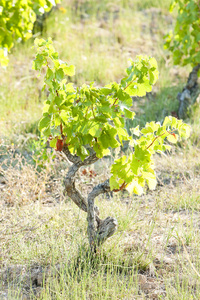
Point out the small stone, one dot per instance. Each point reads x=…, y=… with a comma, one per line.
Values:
x=142, y=279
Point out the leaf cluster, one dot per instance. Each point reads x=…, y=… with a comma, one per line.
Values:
x=16, y=22
x=138, y=169
x=90, y=117
x=184, y=40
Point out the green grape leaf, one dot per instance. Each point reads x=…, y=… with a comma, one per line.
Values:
x=47, y=131
x=150, y=179
x=98, y=149
x=129, y=114
x=38, y=62
x=106, y=91
x=95, y=129
x=106, y=152
x=59, y=74
x=114, y=184
x=52, y=143
x=107, y=140
x=132, y=89
x=68, y=70
x=172, y=138
x=44, y=122
x=134, y=187
x=135, y=164
x=64, y=116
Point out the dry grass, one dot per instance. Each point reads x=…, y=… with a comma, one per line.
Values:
x=154, y=252
x=20, y=181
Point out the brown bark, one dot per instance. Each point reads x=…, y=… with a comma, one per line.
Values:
x=98, y=230
x=189, y=93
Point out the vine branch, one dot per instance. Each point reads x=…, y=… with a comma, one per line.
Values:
x=158, y=137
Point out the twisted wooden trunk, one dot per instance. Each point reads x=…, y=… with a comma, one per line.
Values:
x=189, y=93
x=98, y=230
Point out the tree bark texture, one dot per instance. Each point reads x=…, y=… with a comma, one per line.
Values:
x=98, y=230
x=189, y=93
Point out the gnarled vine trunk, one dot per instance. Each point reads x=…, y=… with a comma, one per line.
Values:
x=98, y=230
x=189, y=93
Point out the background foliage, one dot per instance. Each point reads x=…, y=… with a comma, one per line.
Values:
x=184, y=40
x=16, y=22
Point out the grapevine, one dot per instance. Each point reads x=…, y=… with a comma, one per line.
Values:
x=86, y=122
